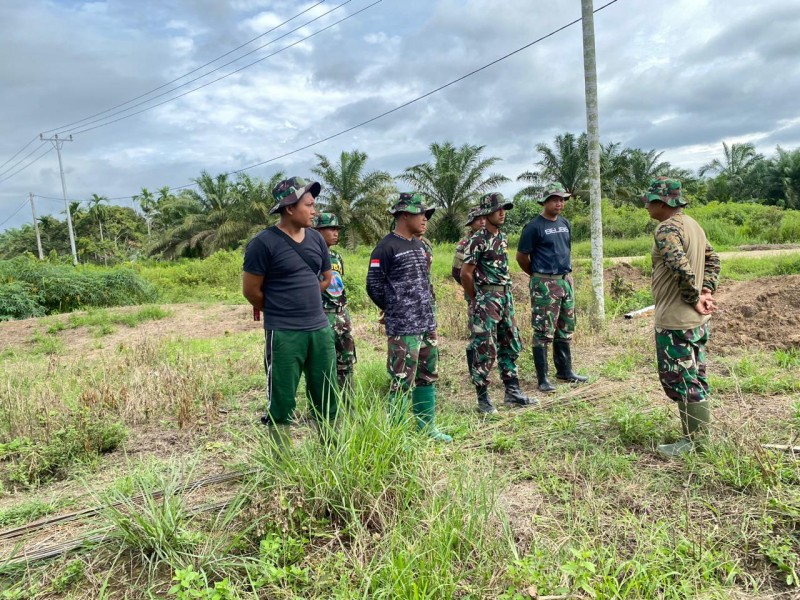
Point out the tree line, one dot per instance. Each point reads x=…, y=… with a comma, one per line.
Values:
x=223, y=212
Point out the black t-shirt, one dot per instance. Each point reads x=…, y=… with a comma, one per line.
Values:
x=549, y=244
x=397, y=282
x=292, y=299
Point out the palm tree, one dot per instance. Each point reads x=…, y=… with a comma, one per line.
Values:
x=453, y=180
x=614, y=168
x=738, y=161
x=97, y=211
x=147, y=203
x=358, y=197
x=566, y=162
x=642, y=167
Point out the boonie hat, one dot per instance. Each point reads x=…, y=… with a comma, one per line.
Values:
x=325, y=219
x=492, y=203
x=472, y=215
x=413, y=203
x=666, y=190
x=554, y=189
x=289, y=191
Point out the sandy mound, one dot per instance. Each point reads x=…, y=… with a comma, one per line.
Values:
x=763, y=313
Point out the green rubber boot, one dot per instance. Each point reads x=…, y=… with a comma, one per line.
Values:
x=424, y=408
x=695, y=418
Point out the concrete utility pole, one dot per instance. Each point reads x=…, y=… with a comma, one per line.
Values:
x=36, y=227
x=58, y=142
x=593, y=132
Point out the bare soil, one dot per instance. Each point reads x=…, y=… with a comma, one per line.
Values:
x=763, y=313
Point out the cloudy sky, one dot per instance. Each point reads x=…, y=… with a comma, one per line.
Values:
x=680, y=76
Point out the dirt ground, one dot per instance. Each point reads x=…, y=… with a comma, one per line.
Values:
x=186, y=321
x=763, y=313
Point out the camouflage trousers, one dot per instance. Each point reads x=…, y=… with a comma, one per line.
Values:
x=412, y=360
x=343, y=342
x=681, y=356
x=552, y=309
x=494, y=337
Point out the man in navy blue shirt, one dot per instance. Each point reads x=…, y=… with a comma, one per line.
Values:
x=286, y=267
x=544, y=254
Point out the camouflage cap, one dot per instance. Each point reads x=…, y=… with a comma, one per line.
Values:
x=325, y=219
x=492, y=203
x=554, y=189
x=472, y=215
x=665, y=190
x=411, y=202
x=289, y=191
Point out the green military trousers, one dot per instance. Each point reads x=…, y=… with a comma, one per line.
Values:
x=287, y=355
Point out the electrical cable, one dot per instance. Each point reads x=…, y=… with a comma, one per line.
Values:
x=19, y=151
x=247, y=66
x=188, y=73
x=7, y=177
x=14, y=214
x=21, y=160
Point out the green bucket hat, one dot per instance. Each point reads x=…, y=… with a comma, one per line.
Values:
x=553, y=189
x=325, y=219
x=666, y=190
x=289, y=191
x=492, y=203
x=472, y=215
x=413, y=203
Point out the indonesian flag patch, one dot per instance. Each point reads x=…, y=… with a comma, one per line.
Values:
x=374, y=263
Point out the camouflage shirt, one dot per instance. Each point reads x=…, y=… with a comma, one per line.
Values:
x=489, y=253
x=670, y=246
x=334, y=296
x=458, y=259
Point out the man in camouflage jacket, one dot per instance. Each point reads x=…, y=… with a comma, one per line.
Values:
x=494, y=335
x=544, y=253
x=685, y=276
x=334, y=303
x=474, y=223
x=398, y=284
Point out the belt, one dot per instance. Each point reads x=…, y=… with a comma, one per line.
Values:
x=494, y=288
x=337, y=310
x=550, y=275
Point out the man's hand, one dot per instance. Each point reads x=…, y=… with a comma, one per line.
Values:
x=705, y=304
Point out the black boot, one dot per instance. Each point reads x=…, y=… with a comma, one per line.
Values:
x=562, y=358
x=485, y=405
x=540, y=362
x=516, y=396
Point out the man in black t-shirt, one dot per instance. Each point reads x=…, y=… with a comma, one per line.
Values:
x=286, y=267
x=544, y=254
x=397, y=282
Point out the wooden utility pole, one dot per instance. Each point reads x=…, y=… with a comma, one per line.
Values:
x=593, y=133
x=36, y=227
x=58, y=142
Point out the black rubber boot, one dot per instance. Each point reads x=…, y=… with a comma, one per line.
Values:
x=562, y=358
x=485, y=405
x=540, y=362
x=515, y=396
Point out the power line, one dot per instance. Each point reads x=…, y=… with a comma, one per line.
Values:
x=19, y=151
x=247, y=66
x=21, y=160
x=399, y=107
x=14, y=214
x=188, y=73
x=46, y=152
x=417, y=99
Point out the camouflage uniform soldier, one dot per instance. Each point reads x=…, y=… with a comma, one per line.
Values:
x=334, y=303
x=493, y=328
x=685, y=276
x=398, y=283
x=429, y=258
x=474, y=223
x=544, y=253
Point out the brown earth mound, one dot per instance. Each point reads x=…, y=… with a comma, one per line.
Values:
x=762, y=313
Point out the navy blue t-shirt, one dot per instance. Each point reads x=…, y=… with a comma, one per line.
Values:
x=549, y=244
x=292, y=298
